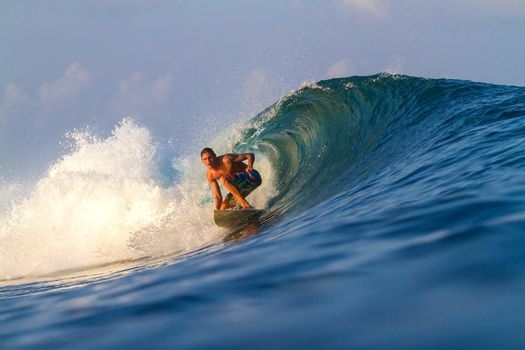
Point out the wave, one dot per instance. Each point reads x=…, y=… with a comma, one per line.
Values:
x=109, y=199
x=333, y=135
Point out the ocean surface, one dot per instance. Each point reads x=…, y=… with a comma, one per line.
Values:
x=395, y=220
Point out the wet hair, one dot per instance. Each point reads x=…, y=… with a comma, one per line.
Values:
x=207, y=150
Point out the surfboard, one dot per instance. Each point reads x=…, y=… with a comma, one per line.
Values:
x=236, y=218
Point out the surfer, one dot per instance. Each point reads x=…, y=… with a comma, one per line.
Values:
x=237, y=177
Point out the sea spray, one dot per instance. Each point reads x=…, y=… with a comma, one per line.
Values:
x=87, y=208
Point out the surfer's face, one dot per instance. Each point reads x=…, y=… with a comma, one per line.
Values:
x=208, y=159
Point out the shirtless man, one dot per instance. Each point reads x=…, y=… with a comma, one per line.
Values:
x=238, y=178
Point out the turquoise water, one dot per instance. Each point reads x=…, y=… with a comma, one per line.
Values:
x=396, y=220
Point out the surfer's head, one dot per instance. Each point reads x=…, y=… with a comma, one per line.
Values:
x=208, y=157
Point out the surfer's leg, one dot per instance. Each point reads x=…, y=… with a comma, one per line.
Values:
x=248, y=183
x=235, y=192
x=225, y=205
x=230, y=202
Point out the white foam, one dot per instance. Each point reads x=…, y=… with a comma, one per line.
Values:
x=103, y=202
x=91, y=203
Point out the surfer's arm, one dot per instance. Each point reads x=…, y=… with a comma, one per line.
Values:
x=217, y=196
x=245, y=156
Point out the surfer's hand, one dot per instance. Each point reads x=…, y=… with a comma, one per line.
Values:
x=249, y=170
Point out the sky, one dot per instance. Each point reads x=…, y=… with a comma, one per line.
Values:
x=189, y=69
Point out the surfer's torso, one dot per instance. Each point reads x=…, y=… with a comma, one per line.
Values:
x=222, y=168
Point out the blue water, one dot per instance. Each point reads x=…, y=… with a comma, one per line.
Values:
x=396, y=220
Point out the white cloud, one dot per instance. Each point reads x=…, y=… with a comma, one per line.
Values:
x=507, y=9
x=75, y=78
x=339, y=69
x=12, y=96
x=137, y=94
x=377, y=8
